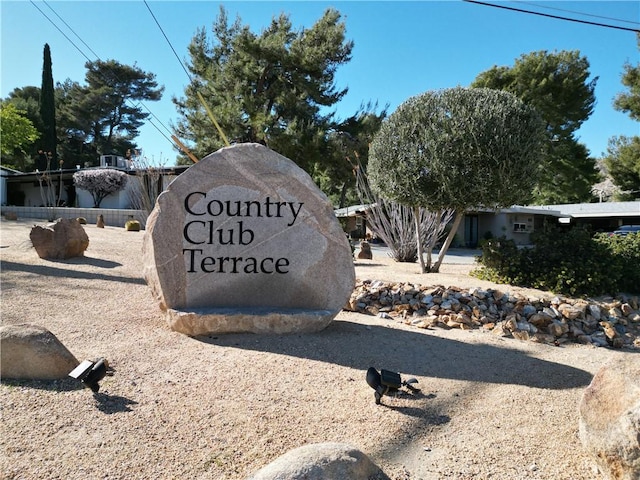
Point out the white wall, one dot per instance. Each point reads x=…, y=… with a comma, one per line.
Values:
x=112, y=217
x=120, y=199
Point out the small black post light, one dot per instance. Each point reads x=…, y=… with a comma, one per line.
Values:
x=90, y=373
x=386, y=382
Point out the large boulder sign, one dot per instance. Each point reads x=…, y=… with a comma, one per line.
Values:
x=244, y=241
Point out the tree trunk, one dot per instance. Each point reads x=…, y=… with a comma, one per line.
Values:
x=447, y=242
x=416, y=215
x=343, y=195
x=434, y=239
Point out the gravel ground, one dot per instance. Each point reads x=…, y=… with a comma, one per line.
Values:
x=221, y=407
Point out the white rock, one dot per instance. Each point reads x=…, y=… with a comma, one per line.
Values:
x=323, y=461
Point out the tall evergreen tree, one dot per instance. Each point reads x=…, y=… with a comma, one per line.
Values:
x=48, y=142
x=558, y=86
x=629, y=101
x=104, y=116
x=276, y=88
x=623, y=153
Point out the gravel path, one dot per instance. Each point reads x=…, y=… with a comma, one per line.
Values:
x=222, y=407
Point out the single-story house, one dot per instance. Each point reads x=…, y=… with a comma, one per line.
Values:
x=34, y=190
x=604, y=216
x=517, y=222
x=5, y=173
x=354, y=220
x=56, y=187
x=52, y=194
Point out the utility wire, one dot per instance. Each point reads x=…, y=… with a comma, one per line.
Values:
x=577, y=13
x=200, y=97
x=554, y=16
x=72, y=30
x=58, y=28
x=98, y=57
x=168, y=41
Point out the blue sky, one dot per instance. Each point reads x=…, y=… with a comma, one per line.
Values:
x=401, y=48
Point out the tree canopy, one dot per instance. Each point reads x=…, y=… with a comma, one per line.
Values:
x=622, y=160
x=457, y=148
x=276, y=88
x=629, y=101
x=104, y=116
x=17, y=133
x=623, y=166
x=558, y=86
x=26, y=101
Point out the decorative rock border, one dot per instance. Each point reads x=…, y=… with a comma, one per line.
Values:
x=613, y=322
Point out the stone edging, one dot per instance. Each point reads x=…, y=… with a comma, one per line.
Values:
x=613, y=322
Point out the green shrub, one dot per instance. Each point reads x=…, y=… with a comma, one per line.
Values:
x=132, y=226
x=569, y=262
x=626, y=253
x=82, y=220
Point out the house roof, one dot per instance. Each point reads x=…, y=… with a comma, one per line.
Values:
x=14, y=174
x=532, y=211
x=597, y=210
x=7, y=170
x=528, y=210
x=352, y=210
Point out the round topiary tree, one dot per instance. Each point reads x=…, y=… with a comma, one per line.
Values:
x=100, y=182
x=457, y=148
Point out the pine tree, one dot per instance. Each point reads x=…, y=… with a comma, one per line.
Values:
x=557, y=85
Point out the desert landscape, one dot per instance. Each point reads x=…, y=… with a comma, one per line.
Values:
x=222, y=407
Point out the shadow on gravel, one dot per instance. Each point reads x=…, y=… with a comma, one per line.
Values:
x=6, y=266
x=94, y=262
x=112, y=403
x=412, y=353
x=60, y=385
x=104, y=402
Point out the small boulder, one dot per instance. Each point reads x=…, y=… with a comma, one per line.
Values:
x=31, y=352
x=321, y=461
x=64, y=238
x=610, y=419
x=365, y=251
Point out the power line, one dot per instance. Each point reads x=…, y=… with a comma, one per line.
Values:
x=553, y=16
x=200, y=97
x=98, y=57
x=168, y=41
x=72, y=30
x=578, y=13
x=58, y=28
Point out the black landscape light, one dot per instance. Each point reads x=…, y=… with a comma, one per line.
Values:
x=90, y=373
x=387, y=382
